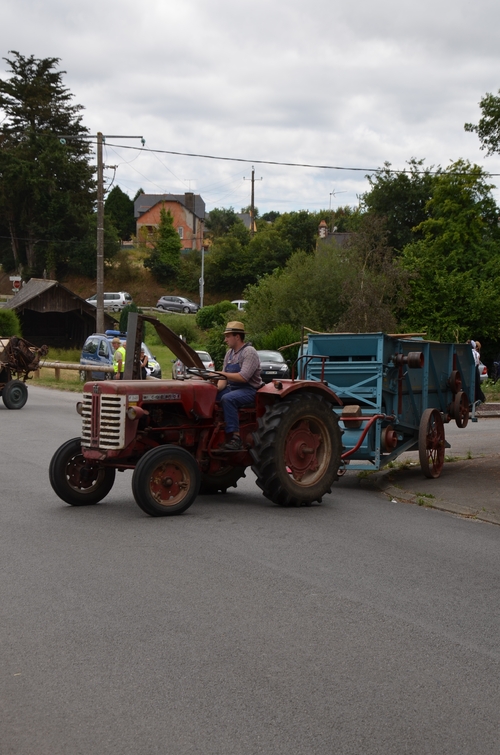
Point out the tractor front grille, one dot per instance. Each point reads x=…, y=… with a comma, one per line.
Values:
x=103, y=421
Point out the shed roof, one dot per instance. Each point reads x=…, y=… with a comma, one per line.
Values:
x=36, y=288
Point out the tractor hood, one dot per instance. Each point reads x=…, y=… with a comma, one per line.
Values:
x=177, y=346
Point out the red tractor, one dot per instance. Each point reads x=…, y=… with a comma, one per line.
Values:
x=170, y=432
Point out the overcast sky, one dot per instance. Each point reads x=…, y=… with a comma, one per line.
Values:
x=311, y=81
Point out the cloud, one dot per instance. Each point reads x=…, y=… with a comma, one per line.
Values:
x=319, y=82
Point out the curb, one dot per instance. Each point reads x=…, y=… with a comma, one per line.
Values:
x=386, y=483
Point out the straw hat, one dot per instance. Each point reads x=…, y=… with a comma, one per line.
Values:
x=234, y=327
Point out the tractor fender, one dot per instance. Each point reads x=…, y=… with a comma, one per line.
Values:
x=279, y=389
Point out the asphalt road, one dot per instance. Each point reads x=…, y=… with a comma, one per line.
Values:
x=356, y=626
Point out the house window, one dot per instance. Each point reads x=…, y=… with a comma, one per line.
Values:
x=180, y=231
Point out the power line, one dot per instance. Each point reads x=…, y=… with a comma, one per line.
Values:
x=290, y=164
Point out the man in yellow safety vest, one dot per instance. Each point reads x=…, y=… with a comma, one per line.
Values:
x=118, y=357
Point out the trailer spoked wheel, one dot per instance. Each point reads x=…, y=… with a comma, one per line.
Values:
x=166, y=481
x=461, y=409
x=77, y=480
x=297, y=448
x=15, y=394
x=431, y=443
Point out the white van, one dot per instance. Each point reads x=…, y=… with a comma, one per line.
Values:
x=114, y=301
x=240, y=304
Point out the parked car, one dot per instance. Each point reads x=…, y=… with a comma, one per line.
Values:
x=272, y=366
x=177, y=304
x=483, y=372
x=179, y=368
x=240, y=304
x=115, y=301
x=97, y=350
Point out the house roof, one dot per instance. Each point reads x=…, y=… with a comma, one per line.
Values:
x=145, y=202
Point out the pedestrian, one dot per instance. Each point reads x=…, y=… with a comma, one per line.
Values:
x=476, y=353
x=145, y=371
x=240, y=381
x=118, y=357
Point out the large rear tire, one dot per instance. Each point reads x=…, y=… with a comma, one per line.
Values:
x=15, y=394
x=77, y=480
x=166, y=481
x=297, y=448
x=220, y=481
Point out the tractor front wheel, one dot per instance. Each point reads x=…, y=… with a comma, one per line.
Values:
x=77, y=480
x=297, y=447
x=166, y=481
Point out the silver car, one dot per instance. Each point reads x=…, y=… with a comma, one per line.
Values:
x=179, y=368
x=177, y=304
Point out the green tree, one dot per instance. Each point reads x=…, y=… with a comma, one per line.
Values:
x=46, y=181
x=488, y=128
x=400, y=198
x=300, y=229
x=355, y=287
x=270, y=216
x=81, y=257
x=164, y=261
x=120, y=208
x=220, y=221
x=455, y=267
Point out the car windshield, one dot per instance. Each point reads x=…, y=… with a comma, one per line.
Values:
x=270, y=356
x=204, y=356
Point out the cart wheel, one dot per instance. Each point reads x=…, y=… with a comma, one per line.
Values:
x=431, y=443
x=15, y=394
x=461, y=409
x=455, y=381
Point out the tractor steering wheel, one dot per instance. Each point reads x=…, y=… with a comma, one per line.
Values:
x=209, y=375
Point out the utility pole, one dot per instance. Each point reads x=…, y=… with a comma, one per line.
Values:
x=99, y=320
x=101, y=138
x=252, y=201
x=202, y=278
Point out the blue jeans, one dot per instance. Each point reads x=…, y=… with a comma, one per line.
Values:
x=231, y=399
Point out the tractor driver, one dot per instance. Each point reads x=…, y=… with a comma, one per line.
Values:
x=241, y=379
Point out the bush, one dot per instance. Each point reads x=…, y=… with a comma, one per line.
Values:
x=216, y=345
x=9, y=323
x=214, y=314
x=182, y=325
x=280, y=336
x=124, y=316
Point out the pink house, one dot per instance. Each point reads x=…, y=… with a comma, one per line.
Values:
x=188, y=211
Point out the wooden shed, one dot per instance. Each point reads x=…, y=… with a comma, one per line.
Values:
x=50, y=313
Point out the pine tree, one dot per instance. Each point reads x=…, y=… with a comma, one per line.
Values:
x=46, y=181
x=120, y=209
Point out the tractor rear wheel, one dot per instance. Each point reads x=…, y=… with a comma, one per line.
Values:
x=77, y=480
x=220, y=481
x=15, y=394
x=166, y=481
x=297, y=447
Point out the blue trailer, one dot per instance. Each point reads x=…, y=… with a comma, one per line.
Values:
x=397, y=393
